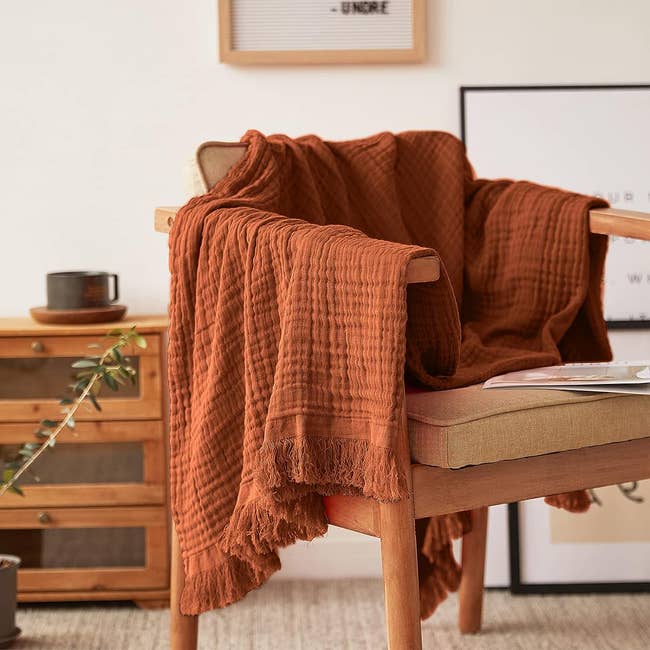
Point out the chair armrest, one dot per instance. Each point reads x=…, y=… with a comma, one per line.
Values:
x=420, y=269
x=623, y=223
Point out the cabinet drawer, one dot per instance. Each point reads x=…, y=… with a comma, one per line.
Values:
x=31, y=383
x=64, y=346
x=100, y=463
x=97, y=549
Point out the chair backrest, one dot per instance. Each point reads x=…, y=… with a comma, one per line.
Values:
x=210, y=163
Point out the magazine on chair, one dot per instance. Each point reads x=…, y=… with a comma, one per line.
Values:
x=631, y=377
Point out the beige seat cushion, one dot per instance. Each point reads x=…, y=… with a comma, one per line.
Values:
x=472, y=426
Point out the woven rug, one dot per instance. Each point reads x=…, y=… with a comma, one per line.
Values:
x=347, y=614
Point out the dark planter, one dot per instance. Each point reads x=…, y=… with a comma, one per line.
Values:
x=8, y=631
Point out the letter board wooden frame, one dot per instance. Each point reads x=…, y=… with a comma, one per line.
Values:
x=255, y=32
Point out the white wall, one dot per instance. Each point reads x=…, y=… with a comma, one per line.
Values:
x=101, y=103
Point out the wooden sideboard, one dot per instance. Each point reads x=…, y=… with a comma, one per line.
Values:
x=95, y=525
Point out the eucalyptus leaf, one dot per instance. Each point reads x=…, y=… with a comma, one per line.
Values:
x=84, y=363
x=81, y=385
x=140, y=341
x=110, y=381
x=93, y=400
x=49, y=423
x=14, y=488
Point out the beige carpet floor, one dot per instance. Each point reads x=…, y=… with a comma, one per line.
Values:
x=347, y=615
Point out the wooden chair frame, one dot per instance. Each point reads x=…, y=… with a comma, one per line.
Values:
x=437, y=491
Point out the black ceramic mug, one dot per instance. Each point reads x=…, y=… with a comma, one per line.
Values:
x=79, y=289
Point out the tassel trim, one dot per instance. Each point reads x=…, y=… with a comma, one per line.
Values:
x=442, y=530
x=331, y=465
x=261, y=527
x=439, y=571
x=225, y=584
x=577, y=501
x=443, y=578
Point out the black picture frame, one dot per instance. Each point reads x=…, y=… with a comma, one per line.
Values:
x=464, y=90
x=517, y=586
x=522, y=588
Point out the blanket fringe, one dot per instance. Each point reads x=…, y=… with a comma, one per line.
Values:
x=439, y=571
x=440, y=579
x=577, y=501
x=442, y=530
x=227, y=583
x=332, y=465
x=262, y=526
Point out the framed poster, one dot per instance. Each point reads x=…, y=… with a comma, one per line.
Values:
x=604, y=550
x=589, y=139
x=321, y=31
x=594, y=140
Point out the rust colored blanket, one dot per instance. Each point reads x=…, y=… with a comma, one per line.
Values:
x=287, y=338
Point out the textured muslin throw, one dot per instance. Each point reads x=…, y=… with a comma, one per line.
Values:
x=291, y=334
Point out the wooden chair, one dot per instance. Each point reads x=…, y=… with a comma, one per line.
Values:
x=542, y=442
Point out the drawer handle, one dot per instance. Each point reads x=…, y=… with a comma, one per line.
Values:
x=44, y=518
x=37, y=346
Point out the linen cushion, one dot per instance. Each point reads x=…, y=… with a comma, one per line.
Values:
x=472, y=426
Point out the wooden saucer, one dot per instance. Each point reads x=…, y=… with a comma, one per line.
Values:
x=78, y=316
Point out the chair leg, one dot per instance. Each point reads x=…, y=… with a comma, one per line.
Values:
x=400, y=570
x=183, y=630
x=473, y=563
